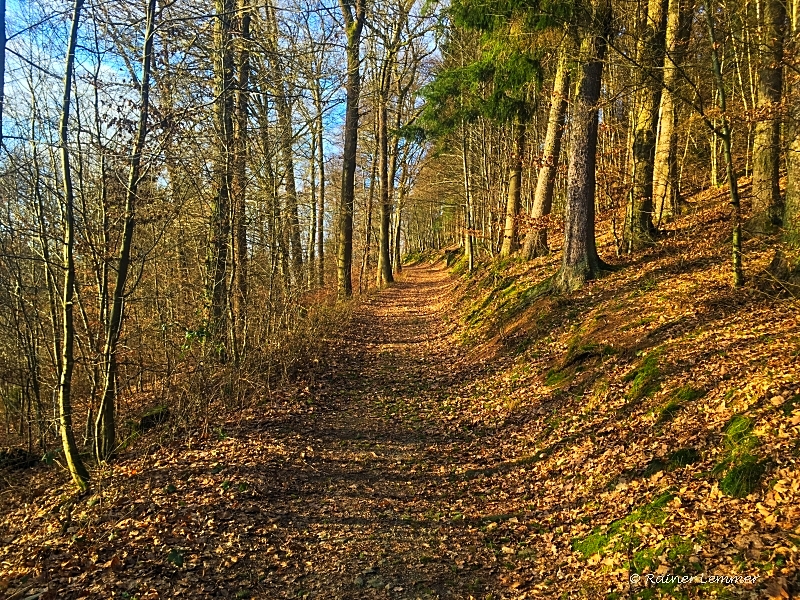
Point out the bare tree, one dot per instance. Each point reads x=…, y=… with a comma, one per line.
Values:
x=354, y=13
x=78, y=471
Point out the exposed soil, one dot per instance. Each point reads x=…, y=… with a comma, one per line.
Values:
x=353, y=497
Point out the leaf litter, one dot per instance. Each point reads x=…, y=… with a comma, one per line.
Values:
x=531, y=449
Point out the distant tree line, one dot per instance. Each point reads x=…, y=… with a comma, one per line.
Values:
x=626, y=108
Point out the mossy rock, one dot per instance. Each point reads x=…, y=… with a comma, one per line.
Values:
x=677, y=460
x=684, y=457
x=678, y=399
x=737, y=431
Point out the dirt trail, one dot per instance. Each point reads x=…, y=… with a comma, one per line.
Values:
x=358, y=494
x=374, y=510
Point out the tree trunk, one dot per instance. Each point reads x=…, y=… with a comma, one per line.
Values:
x=725, y=135
x=76, y=468
x=469, y=240
x=104, y=433
x=284, y=109
x=650, y=58
x=666, y=192
x=384, y=260
x=580, y=260
x=354, y=23
x=239, y=184
x=513, y=200
x=217, y=264
x=363, y=283
x=398, y=267
x=2, y=65
x=536, y=239
x=321, y=192
x=767, y=206
x=791, y=214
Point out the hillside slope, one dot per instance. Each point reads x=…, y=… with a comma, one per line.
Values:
x=472, y=438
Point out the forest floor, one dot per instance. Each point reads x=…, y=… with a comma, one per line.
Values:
x=471, y=439
x=354, y=495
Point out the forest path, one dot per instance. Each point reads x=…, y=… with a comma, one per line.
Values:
x=357, y=488
x=373, y=508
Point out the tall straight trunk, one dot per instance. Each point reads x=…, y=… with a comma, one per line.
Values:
x=398, y=267
x=514, y=198
x=290, y=186
x=321, y=205
x=767, y=206
x=791, y=213
x=384, y=260
x=666, y=192
x=536, y=239
x=217, y=291
x=104, y=434
x=725, y=135
x=363, y=284
x=239, y=183
x=284, y=108
x=3, y=40
x=76, y=468
x=650, y=58
x=320, y=241
x=580, y=259
x=354, y=24
x=469, y=239
x=312, y=225
x=267, y=174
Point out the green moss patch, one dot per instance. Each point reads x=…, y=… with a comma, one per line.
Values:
x=678, y=399
x=644, y=379
x=621, y=534
x=740, y=470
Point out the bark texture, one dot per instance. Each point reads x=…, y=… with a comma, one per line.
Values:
x=666, y=192
x=536, y=238
x=767, y=205
x=353, y=12
x=71, y=455
x=650, y=59
x=105, y=431
x=580, y=261
x=514, y=199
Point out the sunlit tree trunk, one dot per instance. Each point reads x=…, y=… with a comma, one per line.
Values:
x=2, y=65
x=580, y=259
x=536, y=239
x=239, y=183
x=725, y=135
x=514, y=198
x=217, y=262
x=791, y=214
x=650, y=59
x=767, y=205
x=469, y=239
x=353, y=12
x=666, y=192
x=76, y=468
x=105, y=433
x=384, y=261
